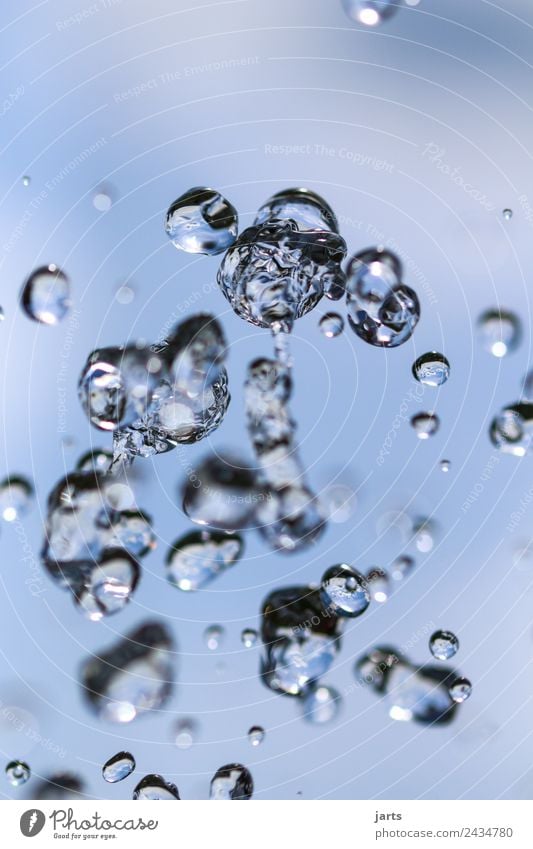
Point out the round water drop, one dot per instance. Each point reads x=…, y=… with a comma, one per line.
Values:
x=17, y=773
x=507, y=214
x=185, y=732
x=308, y=210
x=199, y=557
x=378, y=585
x=321, y=704
x=511, y=431
x=460, y=690
x=344, y=591
x=213, y=636
x=424, y=533
x=45, y=295
x=331, y=325
x=201, y=221
x=371, y=13
x=156, y=788
x=256, y=735
x=118, y=767
x=500, y=331
x=425, y=424
x=102, y=201
x=16, y=495
x=124, y=294
x=26, y=180
x=232, y=781
x=431, y=369
x=444, y=466
x=402, y=567
x=443, y=645
x=249, y=638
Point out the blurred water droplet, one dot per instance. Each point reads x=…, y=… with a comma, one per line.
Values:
x=331, y=325
x=523, y=556
x=201, y=221
x=431, y=369
x=337, y=503
x=460, y=690
x=511, y=431
x=60, y=786
x=321, y=704
x=26, y=180
x=307, y=209
x=17, y=773
x=118, y=767
x=197, y=558
x=344, y=591
x=256, y=735
x=424, y=534
x=16, y=496
x=109, y=585
x=507, y=214
x=444, y=465
x=102, y=201
x=378, y=585
x=443, y=645
x=96, y=460
x=402, y=567
x=221, y=492
x=371, y=13
x=249, y=638
x=185, y=732
x=214, y=636
x=425, y=424
x=45, y=295
x=125, y=294
x=155, y=788
x=232, y=781
x=500, y=331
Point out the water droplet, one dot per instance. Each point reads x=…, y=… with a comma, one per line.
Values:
x=201, y=221
x=16, y=496
x=185, y=732
x=500, y=331
x=26, y=180
x=511, y=431
x=232, y=781
x=371, y=13
x=460, y=690
x=445, y=465
x=256, y=735
x=425, y=424
x=213, y=636
x=381, y=309
x=338, y=503
x=17, y=773
x=221, y=492
x=118, y=767
x=431, y=369
x=424, y=534
x=307, y=209
x=344, y=591
x=125, y=294
x=102, y=201
x=249, y=638
x=331, y=325
x=2, y=314
x=45, y=295
x=133, y=676
x=378, y=585
x=402, y=567
x=321, y=704
x=507, y=214
x=197, y=558
x=155, y=788
x=60, y=786
x=109, y=586
x=96, y=460
x=443, y=645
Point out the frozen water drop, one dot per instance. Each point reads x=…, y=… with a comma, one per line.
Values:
x=118, y=767
x=370, y=12
x=321, y=704
x=500, y=331
x=344, y=591
x=402, y=567
x=331, y=325
x=16, y=496
x=425, y=424
x=507, y=214
x=511, y=431
x=45, y=295
x=307, y=209
x=197, y=558
x=232, y=781
x=431, y=369
x=443, y=645
x=249, y=638
x=460, y=690
x=155, y=788
x=185, y=732
x=378, y=585
x=213, y=637
x=201, y=221
x=102, y=201
x=17, y=773
x=256, y=735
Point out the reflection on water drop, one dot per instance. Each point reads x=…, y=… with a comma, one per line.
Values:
x=460, y=690
x=370, y=12
x=17, y=773
x=443, y=645
x=402, y=567
x=232, y=781
x=321, y=704
x=16, y=495
x=331, y=325
x=256, y=735
x=344, y=591
x=507, y=214
x=511, y=431
x=45, y=295
x=214, y=636
x=197, y=558
x=500, y=331
x=431, y=369
x=249, y=638
x=118, y=767
x=155, y=788
x=201, y=221
x=185, y=732
x=425, y=424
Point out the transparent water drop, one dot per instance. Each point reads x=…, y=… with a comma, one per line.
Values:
x=232, y=781
x=511, y=431
x=371, y=13
x=45, y=295
x=125, y=294
x=26, y=180
x=214, y=636
x=198, y=558
x=102, y=201
x=17, y=773
x=443, y=645
x=507, y=214
x=431, y=369
x=96, y=460
x=2, y=314
x=344, y=591
x=500, y=331
x=221, y=492
x=321, y=704
x=425, y=424
x=338, y=503
x=331, y=325
x=16, y=496
x=445, y=466
x=155, y=788
x=185, y=732
x=256, y=735
x=424, y=534
x=202, y=221
x=378, y=585
x=460, y=690
x=118, y=767
x=110, y=585
x=402, y=567
x=249, y=638
x=308, y=210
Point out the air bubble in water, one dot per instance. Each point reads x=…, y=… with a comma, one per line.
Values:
x=500, y=331
x=507, y=214
x=232, y=781
x=249, y=638
x=431, y=369
x=256, y=735
x=155, y=788
x=402, y=567
x=511, y=431
x=370, y=12
x=460, y=690
x=16, y=495
x=17, y=773
x=331, y=325
x=321, y=704
x=118, y=767
x=201, y=221
x=197, y=558
x=344, y=591
x=378, y=585
x=213, y=637
x=425, y=424
x=443, y=645
x=185, y=733
x=45, y=295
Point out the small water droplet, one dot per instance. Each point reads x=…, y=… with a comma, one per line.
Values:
x=402, y=567
x=125, y=294
x=443, y=645
x=214, y=636
x=507, y=214
x=26, y=180
x=511, y=431
x=45, y=295
x=17, y=773
x=444, y=465
x=321, y=704
x=118, y=767
x=425, y=424
x=102, y=201
x=431, y=369
x=249, y=638
x=331, y=325
x=424, y=534
x=378, y=585
x=256, y=735
x=460, y=690
x=185, y=732
x=16, y=496
x=307, y=209
x=500, y=331
x=344, y=590
x=232, y=781
x=371, y=13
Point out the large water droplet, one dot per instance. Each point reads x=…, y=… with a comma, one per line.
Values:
x=201, y=221
x=443, y=645
x=344, y=591
x=109, y=585
x=511, y=431
x=118, y=767
x=500, y=331
x=155, y=788
x=321, y=704
x=337, y=503
x=431, y=369
x=17, y=773
x=232, y=781
x=371, y=13
x=425, y=424
x=197, y=558
x=16, y=495
x=45, y=295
